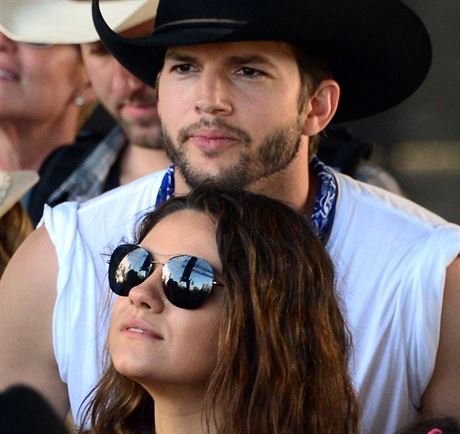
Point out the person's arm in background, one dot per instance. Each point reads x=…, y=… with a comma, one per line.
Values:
x=433, y=426
x=442, y=396
x=27, y=297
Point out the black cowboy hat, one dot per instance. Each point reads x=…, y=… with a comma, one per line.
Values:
x=378, y=50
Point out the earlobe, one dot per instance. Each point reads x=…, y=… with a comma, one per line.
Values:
x=85, y=90
x=321, y=107
x=88, y=93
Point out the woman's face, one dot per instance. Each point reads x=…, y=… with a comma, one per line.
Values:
x=154, y=342
x=38, y=84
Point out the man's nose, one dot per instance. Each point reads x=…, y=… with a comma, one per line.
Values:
x=213, y=94
x=124, y=82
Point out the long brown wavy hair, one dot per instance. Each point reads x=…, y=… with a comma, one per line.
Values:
x=283, y=344
x=15, y=226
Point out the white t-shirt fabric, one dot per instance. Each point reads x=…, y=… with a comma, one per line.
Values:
x=390, y=257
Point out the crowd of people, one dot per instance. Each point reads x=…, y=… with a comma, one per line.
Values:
x=197, y=267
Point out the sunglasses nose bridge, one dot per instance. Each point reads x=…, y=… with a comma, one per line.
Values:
x=149, y=294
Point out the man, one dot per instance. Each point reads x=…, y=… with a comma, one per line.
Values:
x=94, y=164
x=240, y=96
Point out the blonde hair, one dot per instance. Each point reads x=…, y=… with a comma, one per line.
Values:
x=15, y=226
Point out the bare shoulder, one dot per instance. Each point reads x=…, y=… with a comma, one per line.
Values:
x=31, y=273
x=441, y=397
x=27, y=296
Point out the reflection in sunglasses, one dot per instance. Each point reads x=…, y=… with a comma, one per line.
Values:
x=137, y=261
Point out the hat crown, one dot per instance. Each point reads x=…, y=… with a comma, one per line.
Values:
x=204, y=12
x=377, y=50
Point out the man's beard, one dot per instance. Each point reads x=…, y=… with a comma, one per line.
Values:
x=274, y=154
x=143, y=134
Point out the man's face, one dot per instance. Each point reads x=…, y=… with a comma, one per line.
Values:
x=230, y=111
x=127, y=99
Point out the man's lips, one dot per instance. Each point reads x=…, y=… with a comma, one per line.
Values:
x=139, y=109
x=213, y=141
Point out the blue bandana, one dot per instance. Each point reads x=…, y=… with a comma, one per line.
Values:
x=166, y=190
x=322, y=217
x=323, y=213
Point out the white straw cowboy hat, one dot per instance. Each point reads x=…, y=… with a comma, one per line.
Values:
x=13, y=185
x=68, y=21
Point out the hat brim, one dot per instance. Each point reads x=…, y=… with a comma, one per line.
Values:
x=20, y=181
x=68, y=21
x=379, y=52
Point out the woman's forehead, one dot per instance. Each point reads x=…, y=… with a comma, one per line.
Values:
x=187, y=232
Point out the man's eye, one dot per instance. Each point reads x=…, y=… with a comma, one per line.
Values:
x=98, y=50
x=250, y=72
x=183, y=68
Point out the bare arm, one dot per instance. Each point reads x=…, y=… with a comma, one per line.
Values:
x=27, y=296
x=441, y=398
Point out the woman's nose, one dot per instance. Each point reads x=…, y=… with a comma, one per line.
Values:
x=149, y=294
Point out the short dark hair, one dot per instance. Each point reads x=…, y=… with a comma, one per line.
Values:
x=313, y=70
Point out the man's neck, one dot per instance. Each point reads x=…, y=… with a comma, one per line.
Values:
x=138, y=161
x=294, y=185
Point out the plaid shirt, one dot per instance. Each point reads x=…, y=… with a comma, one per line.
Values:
x=89, y=178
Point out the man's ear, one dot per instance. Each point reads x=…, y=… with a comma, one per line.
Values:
x=321, y=107
x=157, y=93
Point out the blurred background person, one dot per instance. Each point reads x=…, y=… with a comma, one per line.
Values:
x=25, y=411
x=15, y=225
x=341, y=149
x=98, y=161
x=43, y=89
x=418, y=141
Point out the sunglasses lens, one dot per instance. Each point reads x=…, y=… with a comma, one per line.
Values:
x=129, y=266
x=187, y=281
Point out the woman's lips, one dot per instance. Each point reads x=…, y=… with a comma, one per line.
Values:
x=140, y=328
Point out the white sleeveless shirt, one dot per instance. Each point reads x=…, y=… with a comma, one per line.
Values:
x=390, y=257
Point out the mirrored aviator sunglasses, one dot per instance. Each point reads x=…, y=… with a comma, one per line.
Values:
x=187, y=280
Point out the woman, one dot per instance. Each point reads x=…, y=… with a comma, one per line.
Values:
x=43, y=92
x=227, y=323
